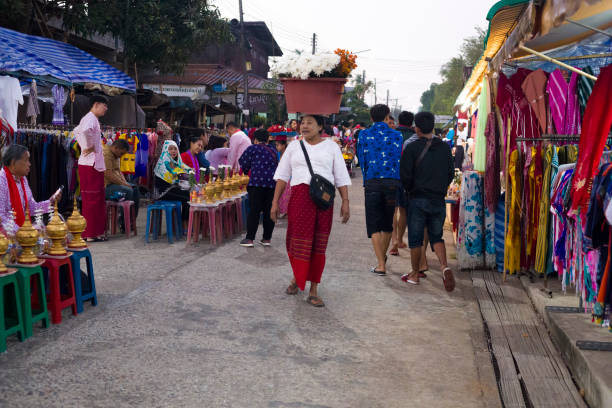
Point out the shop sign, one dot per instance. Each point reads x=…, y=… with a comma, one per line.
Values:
x=193, y=92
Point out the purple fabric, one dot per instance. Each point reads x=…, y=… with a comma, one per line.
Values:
x=5, y=200
x=563, y=99
x=492, y=178
x=59, y=98
x=217, y=156
x=261, y=160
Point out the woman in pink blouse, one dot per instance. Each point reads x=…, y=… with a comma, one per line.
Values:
x=14, y=188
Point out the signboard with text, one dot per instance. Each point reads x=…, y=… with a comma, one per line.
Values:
x=190, y=91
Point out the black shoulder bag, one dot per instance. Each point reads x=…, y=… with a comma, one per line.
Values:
x=322, y=191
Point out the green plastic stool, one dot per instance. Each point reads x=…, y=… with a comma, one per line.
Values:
x=30, y=316
x=13, y=327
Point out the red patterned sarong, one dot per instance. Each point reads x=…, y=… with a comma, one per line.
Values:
x=307, y=236
x=93, y=201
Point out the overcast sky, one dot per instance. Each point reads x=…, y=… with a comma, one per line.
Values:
x=408, y=39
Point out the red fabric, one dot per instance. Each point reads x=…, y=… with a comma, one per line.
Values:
x=307, y=236
x=595, y=128
x=15, y=197
x=93, y=200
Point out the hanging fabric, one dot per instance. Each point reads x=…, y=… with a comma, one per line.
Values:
x=480, y=148
x=534, y=87
x=595, y=129
x=59, y=99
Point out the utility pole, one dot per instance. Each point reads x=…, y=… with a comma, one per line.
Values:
x=245, y=78
x=363, y=81
x=375, y=96
x=387, y=97
x=314, y=42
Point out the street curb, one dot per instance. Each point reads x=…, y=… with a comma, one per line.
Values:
x=589, y=379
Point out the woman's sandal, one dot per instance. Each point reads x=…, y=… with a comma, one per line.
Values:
x=448, y=279
x=292, y=289
x=394, y=252
x=315, y=301
x=422, y=274
x=412, y=278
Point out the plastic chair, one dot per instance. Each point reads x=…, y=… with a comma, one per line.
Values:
x=129, y=216
x=80, y=294
x=10, y=325
x=178, y=207
x=153, y=211
x=56, y=302
x=34, y=305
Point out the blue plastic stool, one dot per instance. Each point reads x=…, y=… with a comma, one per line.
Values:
x=178, y=206
x=78, y=286
x=153, y=210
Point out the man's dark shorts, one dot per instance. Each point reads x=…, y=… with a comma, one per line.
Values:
x=401, y=197
x=422, y=213
x=380, y=202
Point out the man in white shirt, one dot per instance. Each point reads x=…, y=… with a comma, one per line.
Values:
x=238, y=143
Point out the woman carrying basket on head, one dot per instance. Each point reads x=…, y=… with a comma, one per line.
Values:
x=309, y=225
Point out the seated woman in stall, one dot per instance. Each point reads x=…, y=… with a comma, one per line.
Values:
x=15, y=191
x=190, y=157
x=169, y=170
x=218, y=151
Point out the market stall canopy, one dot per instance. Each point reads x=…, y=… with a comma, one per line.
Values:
x=516, y=22
x=45, y=57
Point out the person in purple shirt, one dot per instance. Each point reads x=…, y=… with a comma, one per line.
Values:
x=261, y=160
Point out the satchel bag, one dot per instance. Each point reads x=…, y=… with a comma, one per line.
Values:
x=322, y=191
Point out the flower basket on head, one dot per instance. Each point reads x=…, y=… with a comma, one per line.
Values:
x=315, y=83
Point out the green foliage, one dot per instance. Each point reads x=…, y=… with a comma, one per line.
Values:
x=158, y=33
x=440, y=98
x=354, y=99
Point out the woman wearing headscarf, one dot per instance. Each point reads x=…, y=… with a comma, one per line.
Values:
x=308, y=225
x=167, y=171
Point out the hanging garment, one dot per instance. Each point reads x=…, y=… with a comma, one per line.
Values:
x=596, y=126
x=480, y=146
x=543, y=218
x=33, y=109
x=492, y=185
x=564, y=103
x=471, y=240
x=500, y=214
x=585, y=88
x=59, y=99
x=142, y=156
x=128, y=160
x=512, y=252
x=534, y=88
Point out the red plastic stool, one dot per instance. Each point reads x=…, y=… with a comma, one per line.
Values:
x=208, y=219
x=56, y=302
x=129, y=216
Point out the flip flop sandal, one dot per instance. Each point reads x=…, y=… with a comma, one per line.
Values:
x=448, y=279
x=293, y=289
x=402, y=245
x=409, y=278
x=422, y=274
x=394, y=252
x=377, y=272
x=315, y=301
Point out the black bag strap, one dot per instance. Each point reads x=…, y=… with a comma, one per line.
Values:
x=307, y=158
x=423, y=153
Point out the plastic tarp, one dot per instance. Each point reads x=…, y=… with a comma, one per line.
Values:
x=46, y=57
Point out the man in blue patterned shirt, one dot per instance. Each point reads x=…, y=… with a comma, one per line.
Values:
x=379, y=151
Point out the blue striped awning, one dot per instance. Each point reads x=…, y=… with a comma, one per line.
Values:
x=42, y=56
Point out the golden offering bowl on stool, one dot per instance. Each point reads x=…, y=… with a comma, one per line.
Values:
x=57, y=231
x=4, y=244
x=27, y=237
x=76, y=225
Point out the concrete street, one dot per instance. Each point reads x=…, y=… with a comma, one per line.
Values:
x=203, y=326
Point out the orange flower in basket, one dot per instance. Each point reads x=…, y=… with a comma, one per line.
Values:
x=347, y=62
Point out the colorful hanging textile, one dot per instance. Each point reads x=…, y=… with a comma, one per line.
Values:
x=471, y=240
x=595, y=128
x=480, y=148
x=500, y=214
x=564, y=103
x=585, y=88
x=492, y=185
x=544, y=225
x=512, y=252
x=534, y=87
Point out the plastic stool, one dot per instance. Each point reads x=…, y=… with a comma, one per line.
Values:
x=178, y=206
x=31, y=293
x=206, y=218
x=129, y=216
x=56, y=303
x=239, y=218
x=91, y=295
x=153, y=210
x=17, y=327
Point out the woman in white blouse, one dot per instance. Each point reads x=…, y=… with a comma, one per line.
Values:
x=309, y=226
